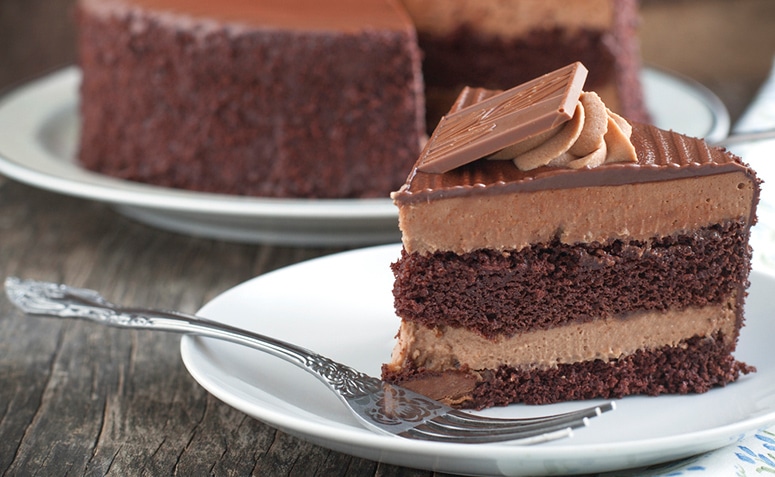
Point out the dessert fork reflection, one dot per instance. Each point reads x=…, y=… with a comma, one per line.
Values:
x=379, y=406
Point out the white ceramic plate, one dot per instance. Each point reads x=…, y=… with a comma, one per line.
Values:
x=341, y=306
x=39, y=130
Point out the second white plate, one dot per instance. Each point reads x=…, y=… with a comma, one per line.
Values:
x=341, y=306
x=40, y=130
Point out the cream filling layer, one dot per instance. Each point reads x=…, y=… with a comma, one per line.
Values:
x=576, y=215
x=506, y=18
x=447, y=348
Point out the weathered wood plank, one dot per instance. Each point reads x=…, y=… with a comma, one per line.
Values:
x=82, y=399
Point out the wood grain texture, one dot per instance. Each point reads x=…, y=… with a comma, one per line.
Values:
x=78, y=398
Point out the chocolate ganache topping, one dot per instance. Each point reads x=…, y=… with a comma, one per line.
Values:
x=659, y=155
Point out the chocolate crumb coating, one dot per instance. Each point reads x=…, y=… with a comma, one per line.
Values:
x=240, y=108
x=547, y=285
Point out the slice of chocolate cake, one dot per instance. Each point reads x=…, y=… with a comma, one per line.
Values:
x=553, y=251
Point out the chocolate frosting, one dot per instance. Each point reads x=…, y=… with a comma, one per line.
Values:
x=662, y=155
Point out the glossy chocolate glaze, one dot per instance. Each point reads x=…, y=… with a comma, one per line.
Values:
x=662, y=155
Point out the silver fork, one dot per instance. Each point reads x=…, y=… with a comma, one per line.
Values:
x=379, y=406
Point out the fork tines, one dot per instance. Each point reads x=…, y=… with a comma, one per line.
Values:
x=463, y=427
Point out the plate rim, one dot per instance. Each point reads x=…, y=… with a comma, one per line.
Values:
x=321, y=434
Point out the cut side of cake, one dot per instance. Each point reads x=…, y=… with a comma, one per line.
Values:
x=579, y=277
x=497, y=44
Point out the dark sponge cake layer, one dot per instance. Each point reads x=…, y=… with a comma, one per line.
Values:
x=696, y=366
x=547, y=285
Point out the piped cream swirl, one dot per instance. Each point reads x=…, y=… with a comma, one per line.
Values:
x=593, y=136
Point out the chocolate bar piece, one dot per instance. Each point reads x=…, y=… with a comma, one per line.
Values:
x=504, y=119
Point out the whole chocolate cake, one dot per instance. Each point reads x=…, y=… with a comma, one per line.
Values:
x=313, y=99
x=281, y=98
x=554, y=251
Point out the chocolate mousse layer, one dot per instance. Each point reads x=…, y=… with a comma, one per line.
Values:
x=442, y=347
x=694, y=366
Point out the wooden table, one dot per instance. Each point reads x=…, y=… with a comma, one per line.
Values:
x=81, y=399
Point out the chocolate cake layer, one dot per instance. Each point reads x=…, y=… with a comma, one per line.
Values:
x=550, y=284
x=257, y=98
x=543, y=51
x=695, y=366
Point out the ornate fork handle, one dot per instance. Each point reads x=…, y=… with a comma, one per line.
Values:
x=380, y=406
x=68, y=302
